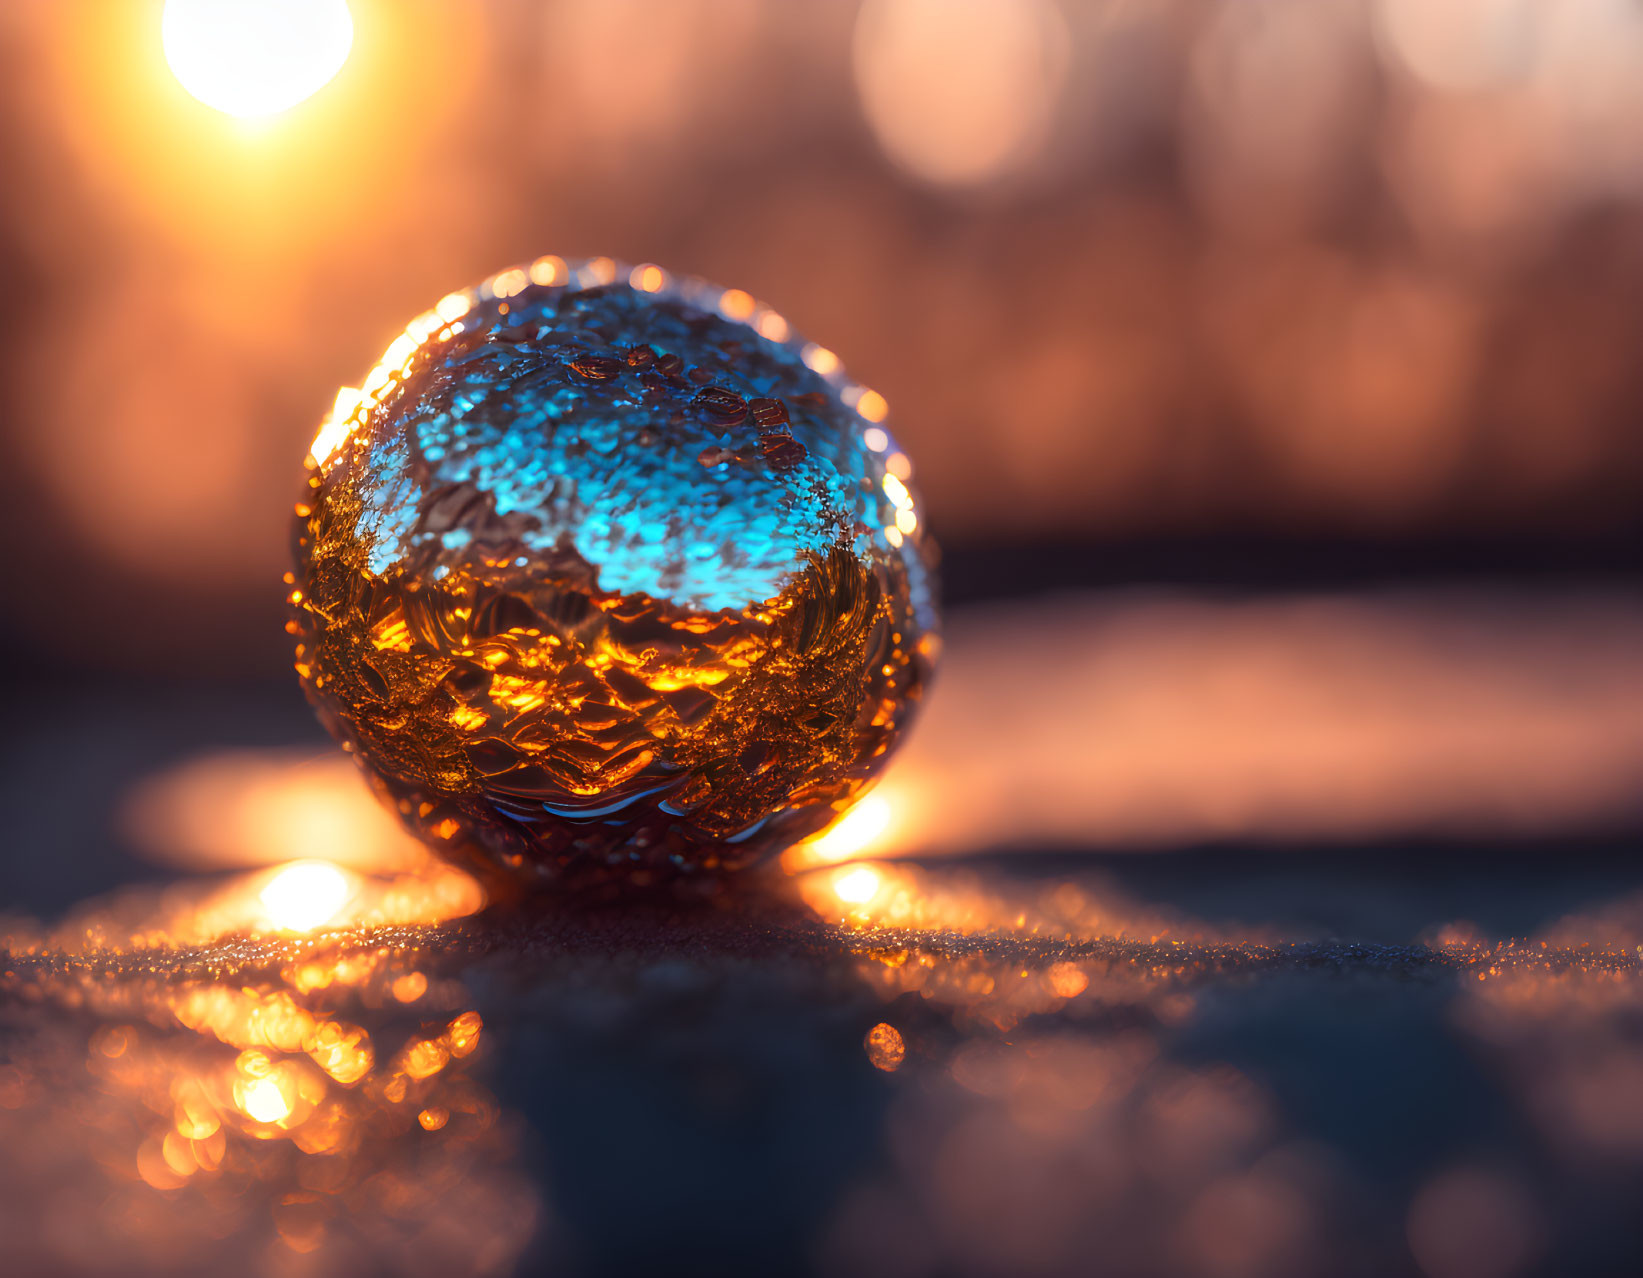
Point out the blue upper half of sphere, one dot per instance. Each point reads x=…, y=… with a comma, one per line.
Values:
x=643, y=434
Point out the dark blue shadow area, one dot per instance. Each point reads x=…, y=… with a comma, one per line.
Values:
x=698, y=1126
x=73, y=749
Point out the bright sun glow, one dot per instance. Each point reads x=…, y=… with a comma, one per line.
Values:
x=255, y=58
x=858, y=828
x=263, y=1100
x=305, y=895
x=858, y=886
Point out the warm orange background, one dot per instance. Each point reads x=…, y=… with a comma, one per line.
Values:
x=1366, y=270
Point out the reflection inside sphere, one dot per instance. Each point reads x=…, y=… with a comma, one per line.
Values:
x=601, y=575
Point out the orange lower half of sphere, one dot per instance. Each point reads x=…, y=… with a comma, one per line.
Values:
x=598, y=579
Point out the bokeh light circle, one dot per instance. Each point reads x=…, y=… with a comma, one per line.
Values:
x=960, y=92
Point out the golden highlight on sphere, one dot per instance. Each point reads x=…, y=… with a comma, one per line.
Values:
x=599, y=579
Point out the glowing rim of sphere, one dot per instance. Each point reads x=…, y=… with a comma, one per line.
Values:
x=353, y=404
x=445, y=318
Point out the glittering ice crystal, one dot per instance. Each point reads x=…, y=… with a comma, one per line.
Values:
x=603, y=572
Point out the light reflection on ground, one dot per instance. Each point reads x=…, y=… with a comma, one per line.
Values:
x=326, y=1102
x=317, y=1052
x=1154, y=719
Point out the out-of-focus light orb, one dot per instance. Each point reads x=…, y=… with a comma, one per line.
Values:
x=244, y=808
x=1277, y=91
x=858, y=886
x=304, y=895
x=264, y=1100
x=885, y=1047
x=1458, y=45
x=255, y=58
x=854, y=833
x=597, y=579
x=960, y=92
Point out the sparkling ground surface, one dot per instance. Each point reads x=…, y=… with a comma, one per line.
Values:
x=1364, y=1053
x=1075, y=1079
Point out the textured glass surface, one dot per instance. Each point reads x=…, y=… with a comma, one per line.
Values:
x=602, y=569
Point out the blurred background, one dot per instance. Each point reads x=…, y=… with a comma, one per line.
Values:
x=1271, y=373
x=1307, y=332
x=1153, y=287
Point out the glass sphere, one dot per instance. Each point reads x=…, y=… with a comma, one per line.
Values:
x=605, y=572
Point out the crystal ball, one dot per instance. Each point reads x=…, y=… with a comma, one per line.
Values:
x=603, y=571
